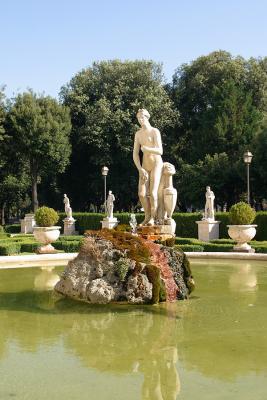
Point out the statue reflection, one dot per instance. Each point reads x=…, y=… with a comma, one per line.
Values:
x=243, y=279
x=143, y=344
x=124, y=340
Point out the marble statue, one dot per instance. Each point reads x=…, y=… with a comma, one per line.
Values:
x=209, y=206
x=167, y=195
x=148, y=140
x=68, y=209
x=110, y=204
x=133, y=223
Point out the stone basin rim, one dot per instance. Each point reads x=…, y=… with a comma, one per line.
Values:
x=63, y=258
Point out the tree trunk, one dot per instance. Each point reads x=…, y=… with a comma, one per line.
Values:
x=3, y=214
x=34, y=186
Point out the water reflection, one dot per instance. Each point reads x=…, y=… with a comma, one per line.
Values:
x=243, y=278
x=216, y=334
x=46, y=279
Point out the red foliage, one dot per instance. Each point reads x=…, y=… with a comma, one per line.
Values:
x=159, y=259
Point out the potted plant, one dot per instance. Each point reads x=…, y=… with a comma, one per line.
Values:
x=241, y=230
x=45, y=231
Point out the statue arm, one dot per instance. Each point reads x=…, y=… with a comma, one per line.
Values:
x=136, y=150
x=157, y=149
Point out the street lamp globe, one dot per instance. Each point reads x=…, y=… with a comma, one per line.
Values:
x=104, y=171
x=247, y=157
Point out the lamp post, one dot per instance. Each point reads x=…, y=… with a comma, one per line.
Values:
x=247, y=160
x=104, y=172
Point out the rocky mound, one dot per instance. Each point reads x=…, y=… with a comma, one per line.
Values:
x=118, y=266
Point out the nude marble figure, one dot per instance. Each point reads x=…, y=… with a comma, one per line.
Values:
x=148, y=140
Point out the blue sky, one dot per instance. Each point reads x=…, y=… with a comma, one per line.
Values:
x=44, y=43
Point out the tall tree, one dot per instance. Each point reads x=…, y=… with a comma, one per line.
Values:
x=220, y=99
x=38, y=128
x=104, y=100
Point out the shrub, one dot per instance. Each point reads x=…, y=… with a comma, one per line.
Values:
x=241, y=214
x=217, y=247
x=260, y=249
x=261, y=221
x=190, y=247
x=74, y=238
x=7, y=249
x=29, y=247
x=179, y=241
x=14, y=228
x=223, y=241
x=46, y=216
x=70, y=246
x=121, y=267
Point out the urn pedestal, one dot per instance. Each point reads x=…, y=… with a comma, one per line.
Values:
x=208, y=230
x=46, y=236
x=242, y=234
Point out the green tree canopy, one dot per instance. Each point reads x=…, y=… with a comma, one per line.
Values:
x=226, y=178
x=220, y=99
x=104, y=100
x=38, y=129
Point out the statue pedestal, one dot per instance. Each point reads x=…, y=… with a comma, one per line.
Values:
x=69, y=227
x=27, y=224
x=109, y=223
x=208, y=230
x=157, y=232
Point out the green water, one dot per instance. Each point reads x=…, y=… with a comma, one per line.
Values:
x=213, y=346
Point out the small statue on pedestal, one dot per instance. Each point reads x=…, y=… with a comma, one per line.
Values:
x=68, y=209
x=209, y=205
x=109, y=222
x=110, y=204
x=69, y=221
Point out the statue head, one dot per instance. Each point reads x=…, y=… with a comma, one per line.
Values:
x=208, y=188
x=168, y=168
x=142, y=116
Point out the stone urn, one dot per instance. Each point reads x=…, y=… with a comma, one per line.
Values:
x=242, y=234
x=46, y=235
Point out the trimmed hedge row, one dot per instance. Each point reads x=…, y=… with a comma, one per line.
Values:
x=27, y=244
x=218, y=245
x=185, y=223
x=190, y=247
x=15, y=228
x=6, y=249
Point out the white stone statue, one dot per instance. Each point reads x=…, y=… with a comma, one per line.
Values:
x=68, y=209
x=110, y=204
x=133, y=223
x=167, y=195
x=209, y=206
x=148, y=140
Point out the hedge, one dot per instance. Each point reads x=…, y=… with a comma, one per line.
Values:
x=185, y=223
x=68, y=246
x=15, y=228
x=71, y=246
x=29, y=247
x=189, y=247
x=214, y=247
x=8, y=249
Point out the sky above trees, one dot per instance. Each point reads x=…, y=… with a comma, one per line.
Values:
x=44, y=44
